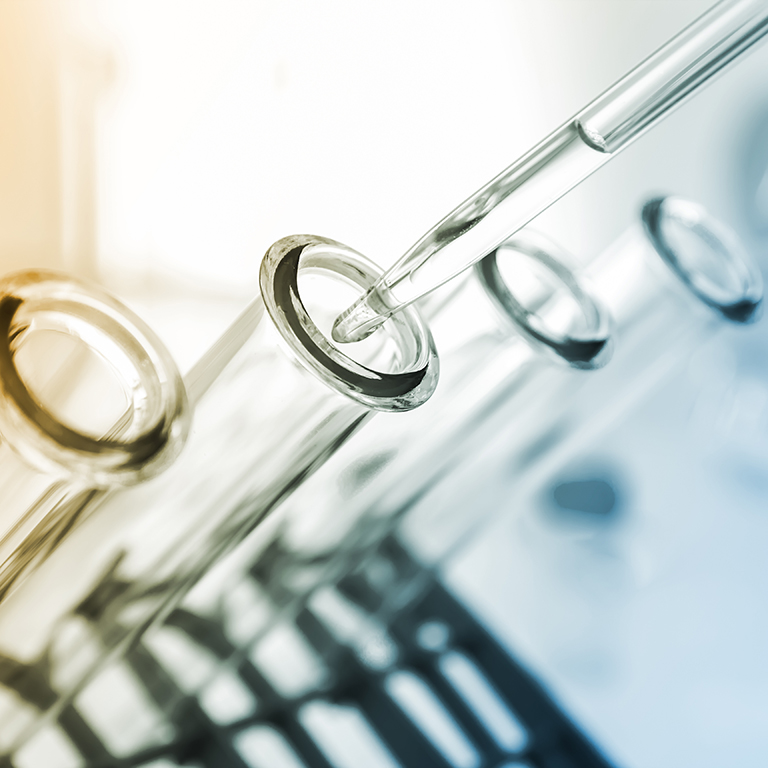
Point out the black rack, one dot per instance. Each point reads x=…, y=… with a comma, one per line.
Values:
x=422, y=625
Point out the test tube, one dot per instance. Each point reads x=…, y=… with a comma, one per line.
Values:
x=520, y=322
x=705, y=283
x=282, y=574
x=494, y=336
x=671, y=282
x=90, y=401
x=273, y=399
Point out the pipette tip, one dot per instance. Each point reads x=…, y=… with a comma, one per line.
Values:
x=360, y=320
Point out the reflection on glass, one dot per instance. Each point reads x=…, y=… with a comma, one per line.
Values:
x=493, y=334
x=273, y=400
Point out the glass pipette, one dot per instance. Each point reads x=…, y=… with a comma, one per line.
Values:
x=561, y=161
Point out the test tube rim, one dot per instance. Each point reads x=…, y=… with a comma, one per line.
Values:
x=589, y=351
x=161, y=423
x=380, y=390
x=658, y=211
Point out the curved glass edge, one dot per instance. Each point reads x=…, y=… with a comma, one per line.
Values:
x=385, y=391
x=158, y=419
x=745, y=306
x=592, y=349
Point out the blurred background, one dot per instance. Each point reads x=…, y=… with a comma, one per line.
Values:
x=160, y=147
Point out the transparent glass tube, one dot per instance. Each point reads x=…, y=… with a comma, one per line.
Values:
x=274, y=398
x=522, y=302
x=90, y=400
x=562, y=160
x=356, y=618
x=306, y=555
x=671, y=282
x=648, y=297
x=520, y=320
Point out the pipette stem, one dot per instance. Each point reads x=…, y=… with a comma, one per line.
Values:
x=560, y=162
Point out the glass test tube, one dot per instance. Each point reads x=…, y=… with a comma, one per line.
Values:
x=671, y=282
x=495, y=345
x=261, y=427
x=661, y=314
x=495, y=328
x=365, y=584
x=499, y=333
x=90, y=400
x=629, y=268
x=361, y=611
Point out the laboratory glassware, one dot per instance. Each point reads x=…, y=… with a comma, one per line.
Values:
x=308, y=628
x=273, y=399
x=714, y=275
x=562, y=160
x=671, y=282
x=90, y=400
x=669, y=275
x=493, y=336
x=520, y=320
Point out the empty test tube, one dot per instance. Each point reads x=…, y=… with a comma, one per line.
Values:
x=671, y=282
x=273, y=399
x=662, y=310
x=492, y=331
x=90, y=400
x=520, y=322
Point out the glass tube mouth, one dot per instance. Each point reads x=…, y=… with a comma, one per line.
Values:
x=85, y=385
x=528, y=281
x=705, y=255
x=403, y=344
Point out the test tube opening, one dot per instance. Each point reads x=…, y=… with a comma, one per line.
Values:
x=86, y=388
x=528, y=280
x=706, y=256
x=65, y=375
x=305, y=282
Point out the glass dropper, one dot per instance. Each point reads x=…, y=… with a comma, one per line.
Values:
x=561, y=161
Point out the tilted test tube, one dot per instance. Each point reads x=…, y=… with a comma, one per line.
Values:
x=90, y=401
x=671, y=282
x=662, y=310
x=273, y=399
x=494, y=355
